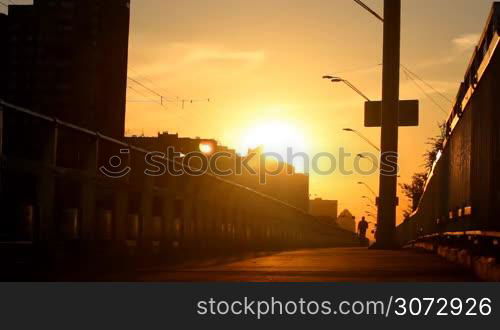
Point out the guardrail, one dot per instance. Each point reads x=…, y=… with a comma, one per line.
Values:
x=460, y=191
x=55, y=197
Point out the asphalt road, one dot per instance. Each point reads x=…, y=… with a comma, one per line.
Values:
x=321, y=265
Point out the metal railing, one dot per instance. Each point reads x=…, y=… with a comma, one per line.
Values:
x=161, y=216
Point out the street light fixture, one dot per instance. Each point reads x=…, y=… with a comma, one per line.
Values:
x=371, y=11
x=362, y=156
x=369, y=199
x=363, y=137
x=334, y=79
x=389, y=119
x=369, y=188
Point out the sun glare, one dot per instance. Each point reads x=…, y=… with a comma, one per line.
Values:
x=275, y=137
x=206, y=148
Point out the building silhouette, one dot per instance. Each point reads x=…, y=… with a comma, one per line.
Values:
x=3, y=52
x=323, y=208
x=283, y=183
x=68, y=59
x=347, y=221
x=66, y=62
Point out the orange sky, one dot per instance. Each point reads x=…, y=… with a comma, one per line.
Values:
x=261, y=61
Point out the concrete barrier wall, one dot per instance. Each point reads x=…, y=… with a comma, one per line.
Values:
x=135, y=214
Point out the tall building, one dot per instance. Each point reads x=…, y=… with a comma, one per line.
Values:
x=165, y=140
x=3, y=52
x=285, y=185
x=324, y=208
x=182, y=146
x=281, y=180
x=68, y=59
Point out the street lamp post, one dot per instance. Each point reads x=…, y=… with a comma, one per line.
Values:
x=362, y=156
x=363, y=137
x=334, y=79
x=371, y=200
x=369, y=188
x=386, y=233
x=387, y=203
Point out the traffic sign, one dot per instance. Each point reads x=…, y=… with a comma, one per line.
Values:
x=408, y=113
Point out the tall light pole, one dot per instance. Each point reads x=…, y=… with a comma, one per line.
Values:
x=369, y=199
x=362, y=137
x=389, y=133
x=363, y=156
x=369, y=188
x=334, y=79
x=354, y=88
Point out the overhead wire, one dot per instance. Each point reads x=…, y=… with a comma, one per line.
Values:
x=440, y=107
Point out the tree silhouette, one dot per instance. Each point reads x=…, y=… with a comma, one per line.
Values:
x=415, y=189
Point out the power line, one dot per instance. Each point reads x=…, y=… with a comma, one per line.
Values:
x=164, y=98
x=138, y=92
x=4, y=4
x=371, y=11
x=408, y=71
x=358, y=69
x=427, y=84
x=142, y=101
x=408, y=76
x=193, y=101
x=157, y=88
x=144, y=77
x=149, y=100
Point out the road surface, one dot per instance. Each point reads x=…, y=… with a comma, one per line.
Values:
x=320, y=265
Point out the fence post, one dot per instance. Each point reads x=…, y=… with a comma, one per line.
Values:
x=2, y=132
x=168, y=214
x=121, y=192
x=88, y=196
x=146, y=211
x=46, y=186
x=1, y=129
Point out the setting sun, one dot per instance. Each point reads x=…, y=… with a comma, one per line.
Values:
x=274, y=136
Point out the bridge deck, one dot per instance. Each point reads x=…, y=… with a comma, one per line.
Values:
x=322, y=265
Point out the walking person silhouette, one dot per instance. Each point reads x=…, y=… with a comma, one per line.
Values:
x=362, y=228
